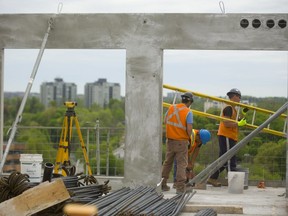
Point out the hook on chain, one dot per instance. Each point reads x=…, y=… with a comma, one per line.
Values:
x=222, y=7
x=60, y=6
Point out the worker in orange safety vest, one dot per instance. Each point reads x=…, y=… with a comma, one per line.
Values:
x=179, y=125
x=228, y=134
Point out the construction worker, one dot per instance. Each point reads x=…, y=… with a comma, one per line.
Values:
x=198, y=137
x=178, y=120
x=228, y=135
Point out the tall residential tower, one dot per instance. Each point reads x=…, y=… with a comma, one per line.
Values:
x=57, y=91
x=101, y=92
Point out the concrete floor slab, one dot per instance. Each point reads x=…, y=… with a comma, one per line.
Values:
x=254, y=201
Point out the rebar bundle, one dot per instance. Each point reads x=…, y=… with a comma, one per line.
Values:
x=13, y=185
x=142, y=201
x=88, y=193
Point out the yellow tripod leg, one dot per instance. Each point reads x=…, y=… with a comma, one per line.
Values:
x=62, y=153
x=58, y=158
x=84, y=150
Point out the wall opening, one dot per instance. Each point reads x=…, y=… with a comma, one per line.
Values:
x=99, y=73
x=255, y=73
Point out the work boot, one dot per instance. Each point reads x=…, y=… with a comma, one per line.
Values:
x=179, y=191
x=180, y=188
x=164, y=186
x=214, y=182
x=189, y=188
x=174, y=185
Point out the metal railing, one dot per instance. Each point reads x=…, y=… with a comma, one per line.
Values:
x=109, y=142
x=45, y=140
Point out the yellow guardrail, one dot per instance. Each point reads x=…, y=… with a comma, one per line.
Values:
x=215, y=117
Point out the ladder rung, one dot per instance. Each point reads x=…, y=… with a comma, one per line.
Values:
x=240, y=105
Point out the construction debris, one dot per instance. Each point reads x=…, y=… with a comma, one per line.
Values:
x=51, y=197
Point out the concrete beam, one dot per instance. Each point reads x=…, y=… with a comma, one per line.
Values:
x=164, y=31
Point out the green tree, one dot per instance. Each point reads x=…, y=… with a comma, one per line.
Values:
x=276, y=151
x=33, y=138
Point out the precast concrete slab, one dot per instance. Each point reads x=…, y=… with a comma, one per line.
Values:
x=144, y=37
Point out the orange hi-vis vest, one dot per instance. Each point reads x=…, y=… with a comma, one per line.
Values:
x=176, y=122
x=231, y=133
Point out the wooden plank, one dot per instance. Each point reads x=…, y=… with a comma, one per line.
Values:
x=35, y=199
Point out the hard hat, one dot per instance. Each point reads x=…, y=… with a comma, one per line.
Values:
x=188, y=96
x=205, y=136
x=234, y=91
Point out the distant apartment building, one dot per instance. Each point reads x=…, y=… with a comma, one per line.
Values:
x=20, y=94
x=101, y=92
x=220, y=105
x=212, y=104
x=58, y=91
x=172, y=95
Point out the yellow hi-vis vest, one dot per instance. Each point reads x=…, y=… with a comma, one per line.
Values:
x=176, y=122
x=193, y=152
x=193, y=141
x=231, y=133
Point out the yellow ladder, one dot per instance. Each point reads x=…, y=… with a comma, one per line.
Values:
x=251, y=124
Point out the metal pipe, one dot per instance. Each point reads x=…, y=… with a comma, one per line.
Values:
x=97, y=147
x=48, y=172
x=88, y=144
x=28, y=89
x=213, y=167
x=107, y=153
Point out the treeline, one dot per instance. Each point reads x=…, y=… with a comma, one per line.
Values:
x=110, y=116
x=35, y=113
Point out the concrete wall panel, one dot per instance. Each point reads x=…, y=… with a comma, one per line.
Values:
x=143, y=36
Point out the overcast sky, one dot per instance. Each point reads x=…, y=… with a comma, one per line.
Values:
x=258, y=73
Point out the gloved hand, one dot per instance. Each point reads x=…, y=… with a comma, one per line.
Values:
x=244, y=111
x=242, y=122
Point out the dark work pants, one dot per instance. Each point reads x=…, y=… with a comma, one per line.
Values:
x=223, y=150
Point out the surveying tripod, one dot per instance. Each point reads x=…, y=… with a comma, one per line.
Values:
x=63, y=153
